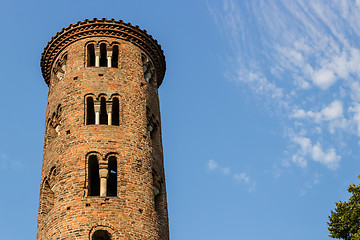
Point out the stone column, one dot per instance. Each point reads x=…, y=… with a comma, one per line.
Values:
x=97, y=57
x=149, y=129
x=97, y=114
x=109, y=113
x=104, y=174
x=109, y=57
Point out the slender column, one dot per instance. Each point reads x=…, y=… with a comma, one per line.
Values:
x=156, y=191
x=149, y=129
x=97, y=57
x=148, y=75
x=97, y=114
x=109, y=113
x=109, y=57
x=104, y=174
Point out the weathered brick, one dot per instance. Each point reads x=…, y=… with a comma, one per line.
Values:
x=66, y=211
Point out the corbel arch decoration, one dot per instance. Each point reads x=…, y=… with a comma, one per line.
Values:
x=103, y=27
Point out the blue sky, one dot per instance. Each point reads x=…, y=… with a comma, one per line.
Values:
x=260, y=110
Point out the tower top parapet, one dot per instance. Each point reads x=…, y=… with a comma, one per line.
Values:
x=103, y=28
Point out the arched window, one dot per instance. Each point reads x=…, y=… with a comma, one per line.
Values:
x=157, y=191
x=94, y=178
x=103, y=113
x=103, y=59
x=90, y=55
x=152, y=124
x=115, y=56
x=112, y=180
x=101, y=235
x=115, y=112
x=148, y=69
x=157, y=199
x=90, y=112
x=47, y=198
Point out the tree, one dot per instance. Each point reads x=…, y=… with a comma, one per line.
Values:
x=344, y=221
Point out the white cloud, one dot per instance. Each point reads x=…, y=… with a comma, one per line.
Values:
x=356, y=116
x=324, y=78
x=298, y=57
x=328, y=158
x=260, y=84
x=212, y=165
x=242, y=178
x=333, y=114
x=226, y=171
x=334, y=110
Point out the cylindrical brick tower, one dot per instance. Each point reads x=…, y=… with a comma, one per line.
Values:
x=103, y=173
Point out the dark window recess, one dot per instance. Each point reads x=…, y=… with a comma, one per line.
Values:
x=103, y=60
x=112, y=180
x=157, y=202
x=153, y=133
x=115, y=57
x=103, y=113
x=115, y=112
x=94, y=178
x=101, y=235
x=90, y=112
x=90, y=55
x=47, y=198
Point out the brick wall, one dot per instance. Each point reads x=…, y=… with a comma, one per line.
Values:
x=65, y=209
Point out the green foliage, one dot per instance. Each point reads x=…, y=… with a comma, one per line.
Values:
x=344, y=221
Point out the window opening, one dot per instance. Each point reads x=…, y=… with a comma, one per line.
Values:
x=112, y=180
x=103, y=59
x=90, y=112
x=101, y=235
x=115, y=112
x=157, y=190
x=115, y=56
x=151, y=124
x=47, y=198
x=90, y=55
x=103, y=113
x=94, y=178
x=148, y=68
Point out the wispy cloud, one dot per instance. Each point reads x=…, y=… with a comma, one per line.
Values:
x=303, y=58
x=328, y=158
x=6, y=162
x=314, y=180
x=242, y=177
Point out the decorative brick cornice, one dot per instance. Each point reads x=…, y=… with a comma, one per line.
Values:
x=103, y=28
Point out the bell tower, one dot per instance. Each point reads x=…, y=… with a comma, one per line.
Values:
x=103, y=174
